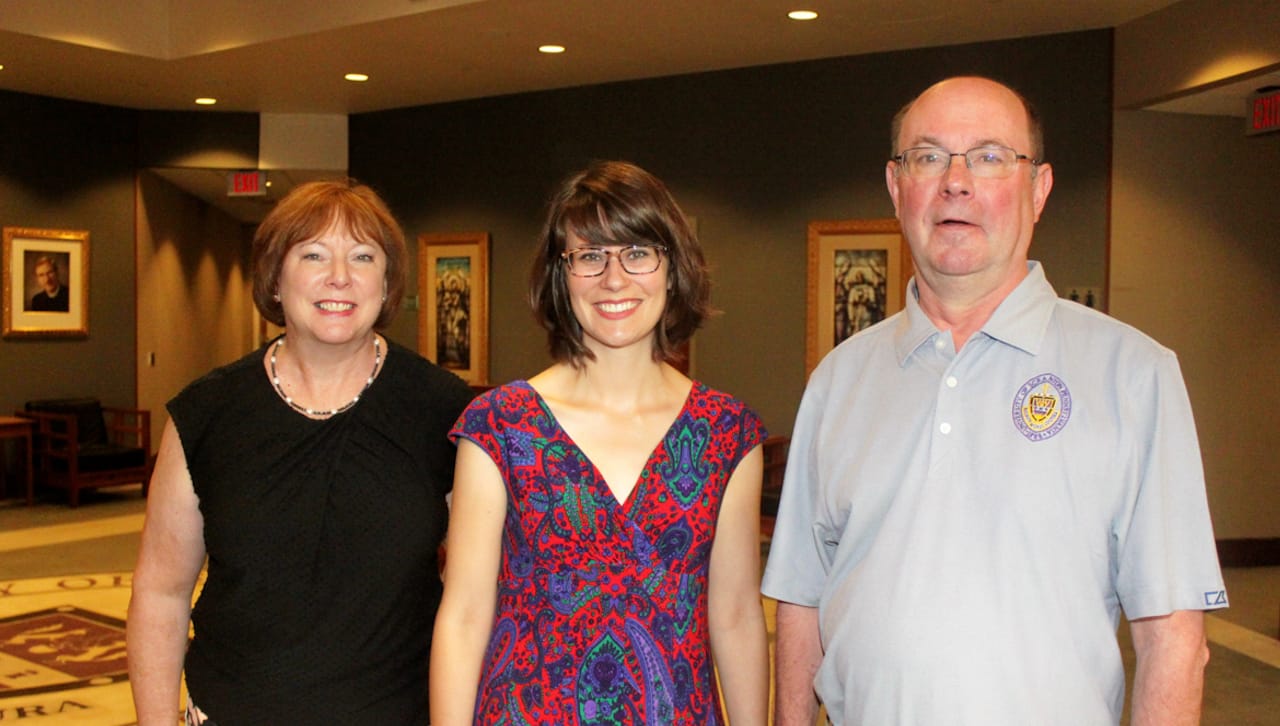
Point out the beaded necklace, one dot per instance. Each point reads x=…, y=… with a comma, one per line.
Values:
x=275, y=381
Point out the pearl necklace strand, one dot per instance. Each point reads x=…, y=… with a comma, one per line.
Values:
x=275, y=381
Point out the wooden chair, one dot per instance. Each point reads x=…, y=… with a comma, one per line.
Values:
x=81, y=444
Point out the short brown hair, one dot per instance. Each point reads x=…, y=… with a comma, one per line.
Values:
x=308, y=212
x=618, y=203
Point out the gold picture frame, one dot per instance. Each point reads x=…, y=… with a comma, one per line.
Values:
x=453, y=289
x=857, y=276
x=46, y=283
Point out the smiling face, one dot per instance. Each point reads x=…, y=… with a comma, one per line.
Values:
x=963, y=230
x=617, y=309
x=331, y=287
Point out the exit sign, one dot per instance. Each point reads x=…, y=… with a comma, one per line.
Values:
x=247, y=184
x=1263, y=113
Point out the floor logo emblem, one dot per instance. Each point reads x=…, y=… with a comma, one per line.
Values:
x=60, y=648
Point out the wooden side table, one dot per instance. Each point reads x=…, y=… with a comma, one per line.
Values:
x=14, y=427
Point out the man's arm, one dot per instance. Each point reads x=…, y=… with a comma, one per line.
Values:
x=799, y=652
x=1169, y=682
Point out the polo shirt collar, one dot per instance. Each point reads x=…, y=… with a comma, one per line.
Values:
x=1019, y=321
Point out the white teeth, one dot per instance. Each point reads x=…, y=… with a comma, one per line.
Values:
x=334, y=307
x=616, y=307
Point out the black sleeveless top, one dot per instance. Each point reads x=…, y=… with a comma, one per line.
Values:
x=322, y=536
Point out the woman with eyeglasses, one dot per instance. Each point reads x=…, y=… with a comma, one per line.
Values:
x=603, y=547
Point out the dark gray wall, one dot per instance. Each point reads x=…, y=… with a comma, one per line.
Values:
x=198, y=139
x=72, y=165
x=68, y=165
x=754, y=155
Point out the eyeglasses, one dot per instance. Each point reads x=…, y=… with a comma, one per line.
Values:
x=592, y=261
x=987, y=162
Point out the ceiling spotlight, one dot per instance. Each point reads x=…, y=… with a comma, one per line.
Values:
x=357, y=77
x=206, y=101
x=802, y=15
x=551, y=49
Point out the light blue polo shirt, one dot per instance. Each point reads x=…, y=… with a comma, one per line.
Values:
x=971, y=524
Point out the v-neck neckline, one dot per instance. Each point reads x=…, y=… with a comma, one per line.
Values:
x=598, y=479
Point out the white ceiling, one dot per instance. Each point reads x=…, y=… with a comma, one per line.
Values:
x=289, y=56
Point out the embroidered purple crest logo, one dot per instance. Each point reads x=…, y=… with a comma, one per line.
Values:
x=1042, y=407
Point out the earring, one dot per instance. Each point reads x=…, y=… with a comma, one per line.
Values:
x=276, y=297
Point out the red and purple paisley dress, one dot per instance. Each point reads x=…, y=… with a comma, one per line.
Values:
x=602, y=606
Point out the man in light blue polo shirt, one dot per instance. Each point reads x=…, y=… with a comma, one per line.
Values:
x=979, y=485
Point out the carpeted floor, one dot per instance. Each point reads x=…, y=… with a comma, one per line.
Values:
x=64, y=590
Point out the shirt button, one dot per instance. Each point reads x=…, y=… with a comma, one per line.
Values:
x=945, y=428
x=952, y=382
x=939, y=343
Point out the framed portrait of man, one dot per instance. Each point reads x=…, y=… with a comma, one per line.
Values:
x=46, y=283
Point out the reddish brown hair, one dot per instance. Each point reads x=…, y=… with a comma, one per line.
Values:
x=309, y=211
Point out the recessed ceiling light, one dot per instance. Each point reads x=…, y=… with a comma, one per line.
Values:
x=551, y=49
x=206, y=101
x=802, y=15
x=357, y=77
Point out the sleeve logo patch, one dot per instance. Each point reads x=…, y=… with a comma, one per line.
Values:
x=1042, y=407
x=1215, y=598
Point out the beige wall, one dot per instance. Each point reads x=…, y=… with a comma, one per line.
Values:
x=1194, y=44
x=1195, y=263
x=1194, y=252
x=195, y=311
